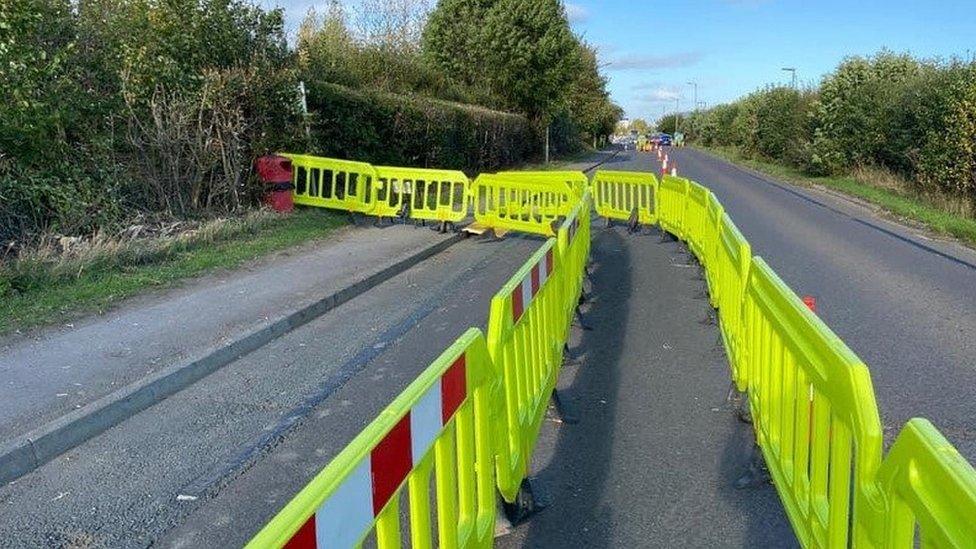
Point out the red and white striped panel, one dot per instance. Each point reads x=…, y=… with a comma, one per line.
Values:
x=527, y=289
x=343, y=518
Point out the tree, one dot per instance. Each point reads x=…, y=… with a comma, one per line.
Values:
x=640, y=125
x=531, y=53
x=589, y=102
x=452, y=40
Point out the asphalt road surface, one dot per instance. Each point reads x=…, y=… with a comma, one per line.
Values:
x=902, y=300
x=317, y=385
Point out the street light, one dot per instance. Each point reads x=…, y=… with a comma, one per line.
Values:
x=792, y=71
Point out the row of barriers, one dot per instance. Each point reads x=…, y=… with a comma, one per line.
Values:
x=467, y=425
x=813, y=405
x=531, y=202
x=469, y=422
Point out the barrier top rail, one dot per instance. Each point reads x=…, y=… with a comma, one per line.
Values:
x=439, y=423
x=576, y=180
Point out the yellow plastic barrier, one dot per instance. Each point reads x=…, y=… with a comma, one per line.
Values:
x=672, y=193
x=431, y=195
x=618, y=194
x=519, y=204
x=577, y=181
x=926, y=485
x=713, y=224
x=440, y=425
x=573, y=242
x=333, y=183
x=695, y=217
x=812, y=406
x=734, y=257
x=525, y=339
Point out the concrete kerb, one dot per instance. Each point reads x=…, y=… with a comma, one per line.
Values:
x=29, y=451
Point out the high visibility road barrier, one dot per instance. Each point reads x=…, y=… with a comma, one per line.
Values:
x=618, y=195
x=734, y=258
x=525, y=340
x=439, y=427
x=383, y=191
x=505, y=203
x=813, y=405
x=671, y=204
x=421, y=193
x=470, y=421
x=711, y=230
x=332, y=183
x=573, y=242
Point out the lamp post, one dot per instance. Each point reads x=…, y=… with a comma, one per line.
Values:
x=792, y=71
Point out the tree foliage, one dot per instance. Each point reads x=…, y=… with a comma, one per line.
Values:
x=116, y=108
x=914, y=117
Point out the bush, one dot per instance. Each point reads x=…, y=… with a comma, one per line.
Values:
x=415, y=131
x=914, y=118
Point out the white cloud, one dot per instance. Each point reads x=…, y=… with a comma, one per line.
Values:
x=650, y=62
x=576, y=13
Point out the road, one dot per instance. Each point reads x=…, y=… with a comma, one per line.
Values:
x=654, y=457
x=317, y=385
x=656, y=449
x=904, y=302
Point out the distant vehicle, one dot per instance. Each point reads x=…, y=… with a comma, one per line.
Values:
x=663, y=139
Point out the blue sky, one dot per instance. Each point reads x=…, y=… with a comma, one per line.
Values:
x=732, y=47
x=652, y=49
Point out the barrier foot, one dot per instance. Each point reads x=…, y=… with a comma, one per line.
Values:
x=579, y=320
x=633, y=224
x=741, y=403
x=757, y=474
x=565, y=416
x=609, y=223
x=523, y=507
x=583, y=297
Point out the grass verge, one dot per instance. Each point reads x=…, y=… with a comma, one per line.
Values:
x=47, y=287
x=904, y=206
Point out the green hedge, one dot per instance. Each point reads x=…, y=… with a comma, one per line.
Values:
x=413, y=131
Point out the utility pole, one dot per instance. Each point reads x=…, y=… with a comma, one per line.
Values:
x=792, y=71
x=676, y=115
x=695, y=84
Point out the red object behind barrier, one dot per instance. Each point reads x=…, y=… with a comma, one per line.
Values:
x=275, y=173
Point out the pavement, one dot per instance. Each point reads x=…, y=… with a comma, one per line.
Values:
x=51, y=372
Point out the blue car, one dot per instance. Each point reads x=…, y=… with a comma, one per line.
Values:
x=664, y=139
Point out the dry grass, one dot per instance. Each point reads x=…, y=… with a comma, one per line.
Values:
x=62, y=277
